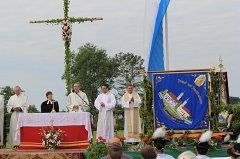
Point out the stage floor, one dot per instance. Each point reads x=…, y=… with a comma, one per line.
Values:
x=41, y=154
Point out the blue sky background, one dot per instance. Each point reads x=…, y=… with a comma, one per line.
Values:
x=32, y=55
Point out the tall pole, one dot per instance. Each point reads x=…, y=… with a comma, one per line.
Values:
x=166, y=41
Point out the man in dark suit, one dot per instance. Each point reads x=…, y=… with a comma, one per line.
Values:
x=50, y=105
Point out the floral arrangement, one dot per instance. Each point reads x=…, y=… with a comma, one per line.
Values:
x=98, y=149
x=51, y=138
x=145, y=139
x=66, y=30
x=192, y=139
x=101, y=139
x=122, y=139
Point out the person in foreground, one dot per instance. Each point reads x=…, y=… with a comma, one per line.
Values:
x=203, y=146
x=50, y=105
x=105, y=103
x=160, y=143
x=187, y=155
x=17, y=104
x=148, y=152
x=114, y=149
x=234, y=152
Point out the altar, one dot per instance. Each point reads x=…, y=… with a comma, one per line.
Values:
x=76, y=127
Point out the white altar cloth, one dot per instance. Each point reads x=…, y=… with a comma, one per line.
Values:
x=58, y=119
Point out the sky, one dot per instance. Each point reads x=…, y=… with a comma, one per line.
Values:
x=32, y=55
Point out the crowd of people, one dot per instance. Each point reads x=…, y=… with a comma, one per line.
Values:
x=156, y=151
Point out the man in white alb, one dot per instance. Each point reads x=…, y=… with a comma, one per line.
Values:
x=77, y=100
x=17, y=104
x=1, y=120
x=131, y=103
x=105, y=103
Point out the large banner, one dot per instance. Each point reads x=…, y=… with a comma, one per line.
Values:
x=180, y=100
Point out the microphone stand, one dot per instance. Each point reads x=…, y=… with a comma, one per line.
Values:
x=82, y=100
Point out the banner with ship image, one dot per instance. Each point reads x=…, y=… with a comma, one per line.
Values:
x=180, y=100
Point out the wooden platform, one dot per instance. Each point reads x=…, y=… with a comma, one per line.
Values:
x=41, y=154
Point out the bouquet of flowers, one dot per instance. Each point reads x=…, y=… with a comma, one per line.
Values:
x=97, y=149
x=51, y=138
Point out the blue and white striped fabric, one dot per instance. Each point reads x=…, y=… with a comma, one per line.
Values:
x=155, y=11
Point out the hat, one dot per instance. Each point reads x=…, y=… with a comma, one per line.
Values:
x=235, y=150
x=159, y=138
x=203, y=141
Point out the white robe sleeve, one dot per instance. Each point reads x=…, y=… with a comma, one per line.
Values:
x=97, y=103
x=137, y=102
x=85, y=102
x=10, y=105
x=69, y=103
x=25, y=104
x=125, y=104
x=112, y=104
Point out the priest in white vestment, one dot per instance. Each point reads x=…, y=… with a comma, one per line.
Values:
x=77, y=100
x=17, y=104
x=131, y=103
x=1, y=120
x=105, y=103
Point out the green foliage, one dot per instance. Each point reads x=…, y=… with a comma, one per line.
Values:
x=214, y=100
x=234, y=100
x=66, y=8
x=67, y=73
x=119, y=116
x=92, y=67
x=235, y=126
x=6, y=92
x=129, y=71
x=60, y=21
x=147, y=113
x=33, y=109
x=97, y=150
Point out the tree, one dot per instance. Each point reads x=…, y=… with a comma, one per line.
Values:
x=234, y=100
x=92, y=67
x=130, y=67
x=6, y=92
x=33, y=109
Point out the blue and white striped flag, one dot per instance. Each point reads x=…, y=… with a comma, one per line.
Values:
x=154, y=13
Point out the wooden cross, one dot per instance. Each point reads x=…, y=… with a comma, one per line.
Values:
x=66, y=33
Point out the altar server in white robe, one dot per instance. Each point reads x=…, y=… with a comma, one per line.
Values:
x=105, y=103
x=131, y=103
x=1, y=119
x=17, y=104
x=77, y=100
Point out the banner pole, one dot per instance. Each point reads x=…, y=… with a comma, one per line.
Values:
x=166, y=41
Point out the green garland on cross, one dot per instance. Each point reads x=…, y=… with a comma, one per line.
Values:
x=146, y=109
x=215, y=100
x=66, y=34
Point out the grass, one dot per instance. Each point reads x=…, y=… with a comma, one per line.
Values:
x=118, y=133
